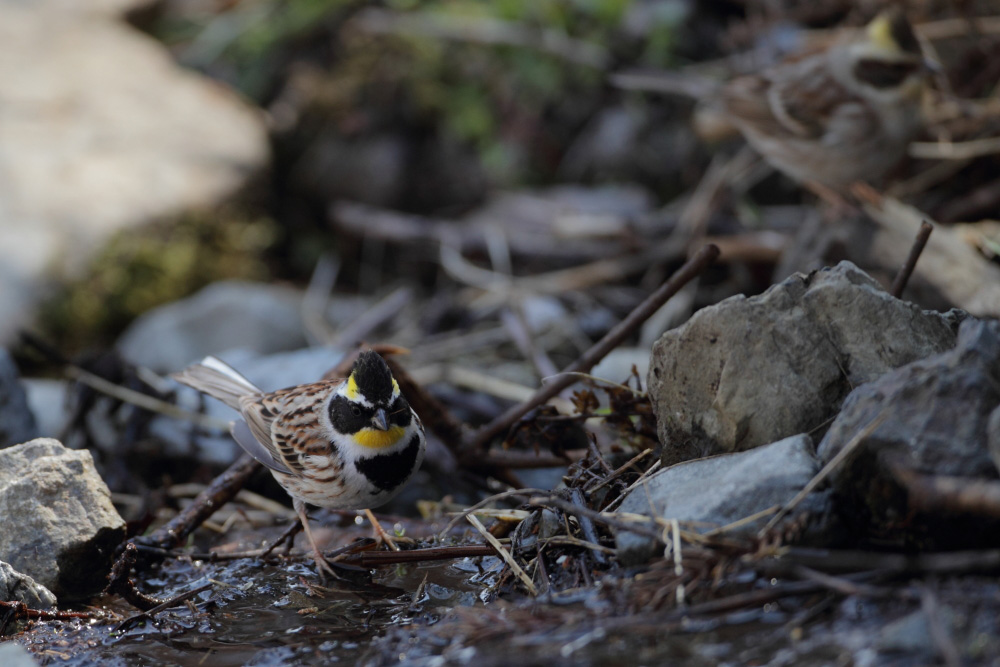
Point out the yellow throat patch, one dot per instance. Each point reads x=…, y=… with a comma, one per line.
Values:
x=376, y=439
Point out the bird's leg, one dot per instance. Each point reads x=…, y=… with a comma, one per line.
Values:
x=322, y=566
x=380, y=533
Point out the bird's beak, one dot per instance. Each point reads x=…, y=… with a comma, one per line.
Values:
x=380, y=421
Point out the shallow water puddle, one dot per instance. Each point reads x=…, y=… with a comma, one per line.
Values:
x=258, y=614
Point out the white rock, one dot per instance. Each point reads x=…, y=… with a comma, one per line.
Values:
x=100, y=130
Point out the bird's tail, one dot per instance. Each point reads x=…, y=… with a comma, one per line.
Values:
x=217, y=379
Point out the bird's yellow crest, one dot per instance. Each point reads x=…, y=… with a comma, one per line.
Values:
x=352, y=388
x=880, y=33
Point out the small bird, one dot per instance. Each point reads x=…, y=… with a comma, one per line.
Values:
x=339, y=444
x=842, y=115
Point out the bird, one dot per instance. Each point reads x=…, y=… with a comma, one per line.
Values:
x=841, y=115
x=340, y=444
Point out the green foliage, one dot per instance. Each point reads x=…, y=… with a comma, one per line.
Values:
x=491, y=73
x=140, y=269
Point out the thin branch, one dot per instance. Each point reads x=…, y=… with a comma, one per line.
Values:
x=691, y=269
x=899, y=284
x=503, y=553
x=832, y=465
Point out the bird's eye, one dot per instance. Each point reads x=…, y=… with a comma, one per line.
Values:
x=356, y=410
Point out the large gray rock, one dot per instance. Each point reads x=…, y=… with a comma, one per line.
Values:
x=720, y=490
x=17, y=587
x=749, y=371
x=937, y=414
x=101, y=130
x=225, y=315
x=59, y=526
x=17, y=423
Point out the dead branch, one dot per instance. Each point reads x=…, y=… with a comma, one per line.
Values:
x=691, y=269
x=899, y=284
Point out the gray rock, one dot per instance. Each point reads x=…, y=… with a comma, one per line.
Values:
x=912, y=633
x=223, y=316
x=937, y=411
x=993, y=436
x=60, y=527
x=17, y=587
x=720, y=490
x=17, y=423
x=101, y=131
x=749, y=371
x=269, y=372
x=13, y=654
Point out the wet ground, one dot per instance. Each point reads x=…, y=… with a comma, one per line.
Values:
x=261, y=614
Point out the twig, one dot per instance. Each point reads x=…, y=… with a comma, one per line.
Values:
x=19, y=610
x=483, y=30
x=386, y=308
x=172, y=602
x=983, y=561
x=962, y=150
x=495, y=543
x=518, y=459
x=761, y=597
x=832, y=465
x=314, y=302
x=144, y=401
x=610, y=341
x=642, y=478
x=513, y=321
x=899, y=284
x=620, y=470
x=586, y=523
x=222, y=489
x=938, y=631
x=947, y=493
x=513, y=493
x=119, y=582
x=368, y=559
x=606, y=518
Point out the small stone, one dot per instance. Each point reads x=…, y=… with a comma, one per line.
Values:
x=912, y=634
x=17, y=587
x=17, y=422
x=60, y=527
x=749, y=371
x=720, y=490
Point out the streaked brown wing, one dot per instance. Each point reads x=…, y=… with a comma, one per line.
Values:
x=794, y=101
x=284, y=420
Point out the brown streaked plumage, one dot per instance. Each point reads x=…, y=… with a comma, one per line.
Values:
x=340, y=444
x=842, y=115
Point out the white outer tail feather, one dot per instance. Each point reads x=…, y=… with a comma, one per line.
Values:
x=217, y=379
